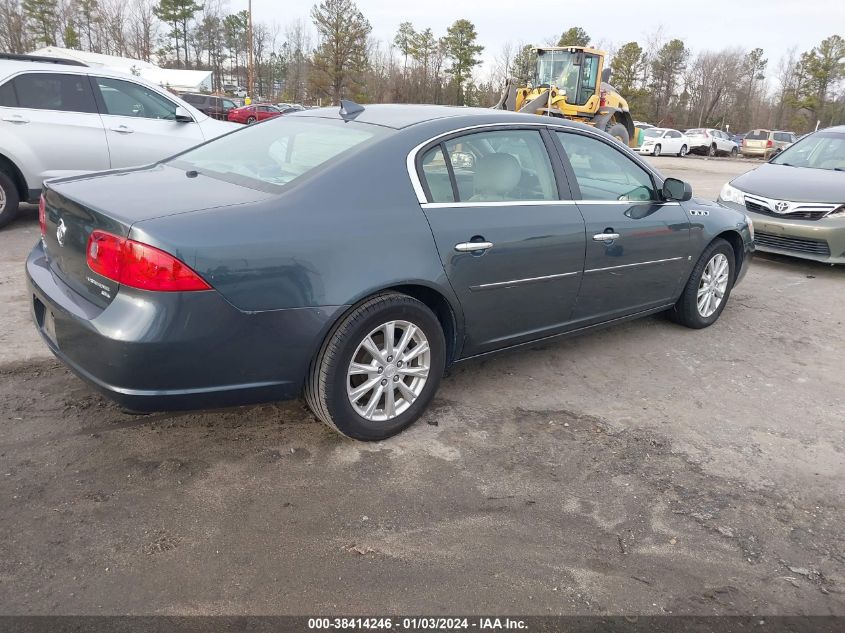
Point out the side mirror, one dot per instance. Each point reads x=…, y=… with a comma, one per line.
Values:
x=678, y=190
x=183, y=116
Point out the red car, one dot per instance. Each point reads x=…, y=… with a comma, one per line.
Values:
x=252, y=113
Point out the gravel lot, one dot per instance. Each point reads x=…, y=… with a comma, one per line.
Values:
x=641, y=469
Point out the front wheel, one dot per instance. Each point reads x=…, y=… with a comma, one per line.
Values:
x=379, y=369
x=619, y=132
x=657, y=150
x=9, y=199
x=734, y=152
x=711, y=151
x=683, y=151
x=708, y=288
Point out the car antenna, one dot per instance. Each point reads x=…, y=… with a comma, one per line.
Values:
x=349, y=109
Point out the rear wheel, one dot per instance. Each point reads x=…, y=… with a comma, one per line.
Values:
x=683, y=151
x=708, y=288
x=657, y=150
x=618, y=131
x=379, y=368
x=9, y=199
x=250, y=120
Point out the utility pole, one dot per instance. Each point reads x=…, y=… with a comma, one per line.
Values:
x=250, y=79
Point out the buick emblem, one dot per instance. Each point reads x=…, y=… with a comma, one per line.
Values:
x=61, y=231
x=781, y=207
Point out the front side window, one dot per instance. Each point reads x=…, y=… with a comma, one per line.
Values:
x=605, y=173
x=55, y=91
x=502, y=165
x=126, y=98
x=270, y=156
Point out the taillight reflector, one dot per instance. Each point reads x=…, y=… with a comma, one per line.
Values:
x=139, y=265
x=42, y=215
x=770, y=143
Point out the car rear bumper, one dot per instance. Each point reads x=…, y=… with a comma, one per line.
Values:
x=756, y=151
x=819, y=240
x=166, y=351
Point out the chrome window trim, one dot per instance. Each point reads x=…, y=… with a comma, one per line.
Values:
x=653, y=261
x=518, y=282
x=541, y=203
x=411, y=160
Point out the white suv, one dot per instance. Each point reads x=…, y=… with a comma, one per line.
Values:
x=711, y=142
x=60, y=118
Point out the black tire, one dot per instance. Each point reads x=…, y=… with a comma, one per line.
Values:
x=683, y=151
x=686, y=311
x=657, y=150
x=734, y=152
x=619, y=132
x=250, y=120
x=326, y=384
x=9, y=201
x=712, y=150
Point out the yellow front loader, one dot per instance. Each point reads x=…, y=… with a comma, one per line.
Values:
x=572, y=82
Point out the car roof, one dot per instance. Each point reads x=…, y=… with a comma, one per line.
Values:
x=398, y=116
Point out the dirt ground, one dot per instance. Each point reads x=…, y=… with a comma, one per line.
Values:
x=643, y=469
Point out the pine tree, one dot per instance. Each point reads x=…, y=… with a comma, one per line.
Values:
x=462, y=49
x=342, y=54
x=574, y=36
x=42, y=19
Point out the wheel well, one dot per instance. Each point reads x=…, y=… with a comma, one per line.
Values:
x=12, y=171
x=735, y=240
x=441, y=307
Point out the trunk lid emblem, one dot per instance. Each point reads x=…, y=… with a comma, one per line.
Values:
x=61, y=231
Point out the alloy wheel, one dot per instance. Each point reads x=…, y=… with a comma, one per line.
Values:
x=2, y=199
x=713, y=285
x=388, y=370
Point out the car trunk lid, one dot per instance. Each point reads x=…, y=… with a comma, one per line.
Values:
x=76, y=207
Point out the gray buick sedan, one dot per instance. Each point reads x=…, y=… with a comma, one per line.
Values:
x=351, y=256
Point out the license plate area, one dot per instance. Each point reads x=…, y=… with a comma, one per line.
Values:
x=45, y=319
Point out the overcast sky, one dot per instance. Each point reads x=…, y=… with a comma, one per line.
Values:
x=774, y=25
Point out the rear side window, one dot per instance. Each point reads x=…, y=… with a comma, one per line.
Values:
x=55, y=91
x=604, y=173
x=271, y=155
x=436, y=174
x=783, y=136
x=8, y=98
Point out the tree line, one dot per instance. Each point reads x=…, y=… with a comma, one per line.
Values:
x=334, y=55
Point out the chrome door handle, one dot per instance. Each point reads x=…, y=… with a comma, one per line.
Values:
x=15, y=118
x=122, y=129
x=605, y=237
x=469, y=247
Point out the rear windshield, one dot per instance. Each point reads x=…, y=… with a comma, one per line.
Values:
x=270, y=155
x=757, y=135
x=822, y=150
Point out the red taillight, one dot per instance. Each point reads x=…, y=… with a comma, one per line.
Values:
x=743, y=142
x=770, y=143
x=42, y=215
x=138, y=265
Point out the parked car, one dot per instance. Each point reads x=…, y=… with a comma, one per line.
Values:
x=61, y=119
x=797, y=199
x=661, y=140
x=354, y=255
x=737, y=138
x=232, y=89
x=765, y=143
x=711, y=142
x=212, y=105
x=254, y=112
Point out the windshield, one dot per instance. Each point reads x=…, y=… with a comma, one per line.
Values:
x=822, y=150
x=653, y=133
x=559, y=69
x=277, y=152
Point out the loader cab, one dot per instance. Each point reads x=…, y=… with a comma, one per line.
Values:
x=574, y=71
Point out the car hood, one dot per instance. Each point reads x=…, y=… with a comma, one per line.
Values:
x=144, y=193
x=798, y=184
